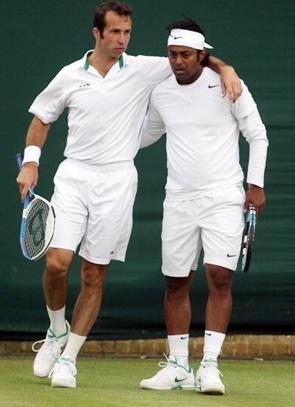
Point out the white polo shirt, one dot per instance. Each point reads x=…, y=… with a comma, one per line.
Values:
x=105, y=114
x=202, y=134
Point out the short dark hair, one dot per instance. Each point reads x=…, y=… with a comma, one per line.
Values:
x=188, y=23
x=122, y=9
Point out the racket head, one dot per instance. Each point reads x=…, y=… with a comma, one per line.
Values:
x=37, y=226
x=248, y=238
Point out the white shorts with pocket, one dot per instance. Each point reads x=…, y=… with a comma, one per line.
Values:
x=213, y=222
x=94, y=206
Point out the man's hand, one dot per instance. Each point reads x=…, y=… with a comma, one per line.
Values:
x=27, y=178
x=255, y=196
x=230, y=83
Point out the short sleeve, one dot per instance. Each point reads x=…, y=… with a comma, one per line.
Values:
x=50, y=103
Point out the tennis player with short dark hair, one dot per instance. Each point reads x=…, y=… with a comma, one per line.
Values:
x=205, y=199
x=106, y=94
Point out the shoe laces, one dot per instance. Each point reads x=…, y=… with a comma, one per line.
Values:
x=62, y=363
x=168, y=363
x=211, y=368
x=171, y=363
x=49, y=347
x=51, y=338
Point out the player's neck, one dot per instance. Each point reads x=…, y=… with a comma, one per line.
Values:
x=190, y=79
x=102, y=63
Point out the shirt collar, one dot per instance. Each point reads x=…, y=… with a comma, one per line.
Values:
x=84, y=61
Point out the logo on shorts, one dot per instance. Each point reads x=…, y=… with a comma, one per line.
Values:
x=231, y=255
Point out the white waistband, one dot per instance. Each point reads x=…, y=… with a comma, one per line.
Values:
x=181, y=195
x=101, y=167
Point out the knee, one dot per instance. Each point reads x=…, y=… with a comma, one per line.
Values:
x=219, y=278
x=58, y=263
x=93, y=275
x=177, y=287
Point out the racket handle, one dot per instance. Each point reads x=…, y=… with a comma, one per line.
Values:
x=19, y=159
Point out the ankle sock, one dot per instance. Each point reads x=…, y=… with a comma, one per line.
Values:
x=178, y=348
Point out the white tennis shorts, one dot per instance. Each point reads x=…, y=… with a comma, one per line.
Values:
x=213, y=222
x=94, y=205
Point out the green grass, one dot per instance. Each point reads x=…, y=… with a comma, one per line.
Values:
x=114, y=383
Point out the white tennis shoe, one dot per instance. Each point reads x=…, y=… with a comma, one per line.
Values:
x=49, y=352
x=208, y=379
x=171, y=376
x=64, y=373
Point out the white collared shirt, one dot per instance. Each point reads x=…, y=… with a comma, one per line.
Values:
x=105, y=114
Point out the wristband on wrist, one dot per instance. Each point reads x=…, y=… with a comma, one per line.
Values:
x=32, y=153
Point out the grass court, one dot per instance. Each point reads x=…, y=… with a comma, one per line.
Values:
x=113, y=382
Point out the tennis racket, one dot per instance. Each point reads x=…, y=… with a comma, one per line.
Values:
x=248, y=238
x=37, y=224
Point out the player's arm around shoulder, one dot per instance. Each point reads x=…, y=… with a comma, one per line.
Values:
x=154, y=69
x=231, y=85
x=153, y=126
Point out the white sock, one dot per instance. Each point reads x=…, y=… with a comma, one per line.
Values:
x=57, y=321
x=178, y=347
x=213, y=342
x=73, y=346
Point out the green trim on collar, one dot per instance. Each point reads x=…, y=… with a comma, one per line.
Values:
x=121, y=62
x=86, y=65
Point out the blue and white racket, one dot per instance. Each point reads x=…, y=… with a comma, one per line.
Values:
x=37, y=224
x=248, y=238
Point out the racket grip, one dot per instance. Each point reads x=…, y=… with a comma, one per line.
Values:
x=19, y=159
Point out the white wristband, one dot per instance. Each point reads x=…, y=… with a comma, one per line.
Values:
x=32, y=153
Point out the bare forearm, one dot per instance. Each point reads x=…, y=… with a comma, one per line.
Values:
x=37, y=133
x=216, y=64
x=28, y=175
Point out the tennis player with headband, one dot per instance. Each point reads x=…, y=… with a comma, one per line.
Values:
x=205, y=199
x=106, y=93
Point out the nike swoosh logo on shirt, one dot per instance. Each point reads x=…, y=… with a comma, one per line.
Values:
x=231, y=255
x=213, y=86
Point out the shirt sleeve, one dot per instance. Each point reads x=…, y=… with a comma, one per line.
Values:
x=244, y=105
x=153, y=126
x=154, y=69
x=250, y=124
x=50, y=103
x=254, y=132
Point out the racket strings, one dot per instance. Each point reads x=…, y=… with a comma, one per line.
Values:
x=248, y=238
x=33, y=238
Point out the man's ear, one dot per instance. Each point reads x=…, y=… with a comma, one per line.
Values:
x=96, y=33
x=202, y=55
